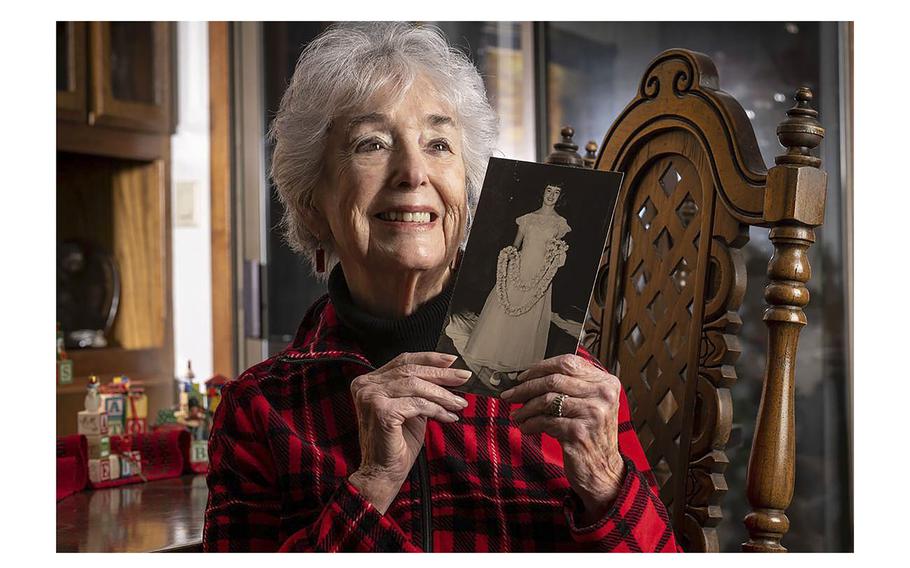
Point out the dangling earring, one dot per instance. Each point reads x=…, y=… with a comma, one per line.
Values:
x=320, y=259
x=453, y=266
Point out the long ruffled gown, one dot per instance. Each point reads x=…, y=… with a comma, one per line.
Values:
x=508, y=343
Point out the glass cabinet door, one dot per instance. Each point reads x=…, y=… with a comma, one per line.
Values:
x=131, y=80
x=71, y=68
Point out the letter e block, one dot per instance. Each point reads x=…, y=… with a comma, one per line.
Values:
x=99, y=470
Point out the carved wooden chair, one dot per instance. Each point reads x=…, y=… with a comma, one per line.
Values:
x=672, y=278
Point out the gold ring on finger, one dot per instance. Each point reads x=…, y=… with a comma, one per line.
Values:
x=555, y=406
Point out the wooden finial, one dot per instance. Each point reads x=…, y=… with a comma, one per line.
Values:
x=565, y=152
x=800, y=132
x=794, y=203
x=590, y=154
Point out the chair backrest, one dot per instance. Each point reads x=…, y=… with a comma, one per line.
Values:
x=664, y=316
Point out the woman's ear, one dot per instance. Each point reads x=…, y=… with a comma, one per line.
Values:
x=316, y=222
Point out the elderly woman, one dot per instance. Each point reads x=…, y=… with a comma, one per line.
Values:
x=351, y=439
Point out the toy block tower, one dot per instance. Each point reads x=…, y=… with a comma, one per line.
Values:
x=92, y=423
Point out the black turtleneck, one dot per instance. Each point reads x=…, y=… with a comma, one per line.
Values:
x=382, y=339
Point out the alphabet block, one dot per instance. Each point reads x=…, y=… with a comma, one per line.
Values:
x=136, y=426
x=92, y=423
x=65, y=372
x=114, y=461
x=135, y=460
x=137, y=405
x=199, y=451
x=98, y=447
x=115, y=407
x=99, y=470
x=125, y=467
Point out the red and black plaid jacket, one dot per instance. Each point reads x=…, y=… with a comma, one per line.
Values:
x=285, y=439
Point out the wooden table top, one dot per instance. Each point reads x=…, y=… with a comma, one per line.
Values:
x=165, y=515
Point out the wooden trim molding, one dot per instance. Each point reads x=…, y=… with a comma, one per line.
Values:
x=224, y=340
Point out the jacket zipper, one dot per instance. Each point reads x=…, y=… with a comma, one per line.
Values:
x=422, y=465
x=423, y=472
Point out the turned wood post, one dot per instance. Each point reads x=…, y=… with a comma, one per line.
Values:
x=590, y=157
x=794, y=205
x=565, y=152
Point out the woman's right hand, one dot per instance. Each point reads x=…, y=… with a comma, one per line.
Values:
x=393, y=404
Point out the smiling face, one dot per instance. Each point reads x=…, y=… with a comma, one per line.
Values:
x=392, y=195
x=551, y=195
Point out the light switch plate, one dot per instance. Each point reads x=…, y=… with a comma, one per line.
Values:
x=185, y=209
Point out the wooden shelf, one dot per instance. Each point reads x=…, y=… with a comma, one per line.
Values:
x=145, y=367
x=115, y=361
x=142, y=365
x=109, y=142
x=121, y=206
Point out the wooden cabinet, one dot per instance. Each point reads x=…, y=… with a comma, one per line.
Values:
x=117, y=75
x=72, y=94
x=131, y=81
x=114, y=124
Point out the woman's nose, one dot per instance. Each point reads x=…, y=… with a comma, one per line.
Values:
x=410, y=167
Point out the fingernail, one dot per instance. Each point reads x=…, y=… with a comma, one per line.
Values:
x=451, y=358
x=507, y=394
x=463, y=373
x=452, y=416
x=461, y=402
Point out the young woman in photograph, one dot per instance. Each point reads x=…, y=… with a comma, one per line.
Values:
x=512, y=330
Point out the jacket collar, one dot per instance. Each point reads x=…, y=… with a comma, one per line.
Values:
x=321, y=336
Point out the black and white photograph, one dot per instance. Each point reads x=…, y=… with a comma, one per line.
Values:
x=528, y=270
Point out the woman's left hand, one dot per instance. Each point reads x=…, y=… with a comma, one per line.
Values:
x=586, y=427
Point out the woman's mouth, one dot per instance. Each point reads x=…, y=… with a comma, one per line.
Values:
x=407, y=216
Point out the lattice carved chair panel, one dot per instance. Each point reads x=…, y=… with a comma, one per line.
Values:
x=665, y=312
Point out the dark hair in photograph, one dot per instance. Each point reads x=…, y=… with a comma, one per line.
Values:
x=559, y=200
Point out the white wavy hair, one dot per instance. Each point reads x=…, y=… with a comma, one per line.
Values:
x=341, y=71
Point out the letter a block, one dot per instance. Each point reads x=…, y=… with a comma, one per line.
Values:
x=115, y=407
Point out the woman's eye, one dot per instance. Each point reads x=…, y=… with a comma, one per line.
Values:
x=370, y=146
x=440, y=146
